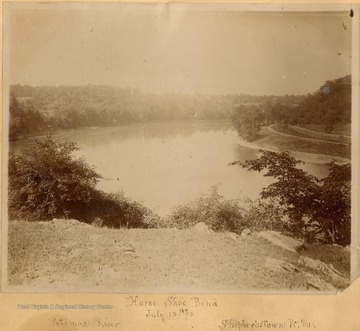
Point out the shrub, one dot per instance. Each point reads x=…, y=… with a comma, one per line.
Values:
x=266, y=215
x=212, y=209
x=247, y=121
x=47, y=181
x=114, y=210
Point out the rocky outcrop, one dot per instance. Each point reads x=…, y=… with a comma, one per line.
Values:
x=245, y=233
x=276, y=238
x=326, y=270
x=279, y=265
x=232, y=236
x=311, y=281
x=317, y=275
x=315, y=282
x=202, y=227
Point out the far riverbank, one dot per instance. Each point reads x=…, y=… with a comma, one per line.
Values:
x=270, y=140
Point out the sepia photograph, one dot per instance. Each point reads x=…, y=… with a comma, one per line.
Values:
x=172, y=148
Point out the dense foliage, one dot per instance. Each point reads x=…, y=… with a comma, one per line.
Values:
x=317, y=208
x=47, y=181
x=212, y=209
x=247, y=121
x=332, y=217
x=266, y=214
x=47, y=108
x=114, y=210
x=329, y=106
x=24, y=119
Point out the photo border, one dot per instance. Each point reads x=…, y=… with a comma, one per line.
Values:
x=330, y=312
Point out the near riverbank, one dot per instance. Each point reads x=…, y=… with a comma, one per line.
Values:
x=68, y=255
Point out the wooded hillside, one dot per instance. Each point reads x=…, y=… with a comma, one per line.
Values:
x=330, y=105
x=34, y=109
x=47, y=108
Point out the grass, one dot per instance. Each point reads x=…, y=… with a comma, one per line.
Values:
x=344, y=129
x=307, y=133
x=67, y=254
x=336, y=255
x=272, y=139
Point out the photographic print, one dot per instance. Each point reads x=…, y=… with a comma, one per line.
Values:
x=176, y=148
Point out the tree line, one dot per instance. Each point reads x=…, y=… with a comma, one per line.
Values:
x=48, y=108
x=329, y=105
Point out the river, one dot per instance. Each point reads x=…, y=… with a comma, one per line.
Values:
x=165, y=164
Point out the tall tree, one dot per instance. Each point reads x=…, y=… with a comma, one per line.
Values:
x=16, y=122
x=247, y=121
x=313, y=205
x=332, y=215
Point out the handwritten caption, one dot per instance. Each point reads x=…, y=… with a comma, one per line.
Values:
x=171, y=308
x=237, y=325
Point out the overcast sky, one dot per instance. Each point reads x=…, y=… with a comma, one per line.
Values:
x=168, y=49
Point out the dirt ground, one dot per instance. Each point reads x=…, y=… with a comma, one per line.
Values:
x=66, y=255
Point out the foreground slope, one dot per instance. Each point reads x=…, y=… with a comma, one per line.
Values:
x=69, y=255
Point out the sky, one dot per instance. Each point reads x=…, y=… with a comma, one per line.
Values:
x=165, y=48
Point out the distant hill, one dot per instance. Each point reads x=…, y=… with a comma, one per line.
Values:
x=330, y=105
x=44, y=108
x=34, y=109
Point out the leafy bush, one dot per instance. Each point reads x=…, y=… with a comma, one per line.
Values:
x=247, y=121
x=47, y=181
x=266, y=215
x=212, y=209
x=114, y=210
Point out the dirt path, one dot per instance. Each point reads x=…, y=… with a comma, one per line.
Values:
x=325, y=136
x=271, y=128
x=275, y=141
